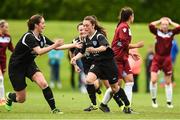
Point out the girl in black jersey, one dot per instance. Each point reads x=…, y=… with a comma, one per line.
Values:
x=22, y=64
x=103, y=66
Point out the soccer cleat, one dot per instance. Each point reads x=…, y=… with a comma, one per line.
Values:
x=91, y=107
x=154, y=103
x=8, y=104
x=127, y=110
x=169, y=105
x=2, y=102
x=99, y=96
x=56, y=111
x=104, y=108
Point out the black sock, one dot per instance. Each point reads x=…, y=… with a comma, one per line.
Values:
x=154, y=100
x=49, y=97
x=121, y=94
x=118, y=101
x=92, y=93
x=98, y=91
x=12, y=96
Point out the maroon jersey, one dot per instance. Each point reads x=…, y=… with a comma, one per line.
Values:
x=163, y=40
x=121, y=41
x=5, y=42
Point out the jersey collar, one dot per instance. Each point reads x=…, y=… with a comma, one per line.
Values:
x=92, y=35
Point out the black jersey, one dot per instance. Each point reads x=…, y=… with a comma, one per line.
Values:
x=97, y=40
x=23, y=53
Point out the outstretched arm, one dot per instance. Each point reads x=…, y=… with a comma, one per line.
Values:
x=136, y=45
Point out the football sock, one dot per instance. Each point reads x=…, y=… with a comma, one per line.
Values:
x=1, y=87
x=128, y=90
x=168, y=90
x=49, y=97
x=153, y=90
x=92, y=93
x=121, y=95
x=107, y=96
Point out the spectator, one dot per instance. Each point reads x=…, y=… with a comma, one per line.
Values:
x=55, y=57
x=135, y=66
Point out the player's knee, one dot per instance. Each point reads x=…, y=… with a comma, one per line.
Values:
x=43, y=84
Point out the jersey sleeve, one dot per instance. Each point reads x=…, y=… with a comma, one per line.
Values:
x=176, y=30
x=30, y=41
x=153, y=29
x=102, y=40
x=48, y=41
x=124, y=36
x=10, y=46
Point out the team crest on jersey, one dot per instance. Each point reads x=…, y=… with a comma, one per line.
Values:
x=119, y=43
x=124, y=29
x=42, y=44
x=94, y=43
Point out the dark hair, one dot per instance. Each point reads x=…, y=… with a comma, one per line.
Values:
x=81, y=23
x=124, y=14
x=94, y=21
x=35, y=19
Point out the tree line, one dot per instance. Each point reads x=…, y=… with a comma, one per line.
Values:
x=106, y=10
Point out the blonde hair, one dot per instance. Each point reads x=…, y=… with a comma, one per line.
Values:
x=2, y=22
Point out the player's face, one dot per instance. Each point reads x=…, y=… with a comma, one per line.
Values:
x=164, y=25
x=5, y=28
x=41, y=25
x=132, y=18
x=81, y=31
x=88, y=27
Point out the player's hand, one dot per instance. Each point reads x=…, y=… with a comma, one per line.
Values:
x=77, y=69
x=73, y=61
x=78, y=44
x=91, y=50
x=58, y=42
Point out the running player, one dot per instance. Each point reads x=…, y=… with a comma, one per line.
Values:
x=162, y=59
x=104, y=66
x=5, y=42
x=22, y=64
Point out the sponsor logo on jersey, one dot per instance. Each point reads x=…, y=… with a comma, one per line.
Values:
x=92, y=66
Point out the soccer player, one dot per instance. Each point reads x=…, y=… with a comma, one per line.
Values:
x=5, y=42
x=86, y=60
x=162, y=59
x=22, y=64
x=121, y=44
x=103, y=66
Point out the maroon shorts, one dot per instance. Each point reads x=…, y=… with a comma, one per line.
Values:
x=162, y=63
x=123, y=68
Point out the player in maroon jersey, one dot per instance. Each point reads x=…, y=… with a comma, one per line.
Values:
x=5, y=42
x=121, y=44
x=162, y=59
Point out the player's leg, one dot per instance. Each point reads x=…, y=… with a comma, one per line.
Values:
x=2, y=96
x=168, y=90
x=129, y=82
x=38, y=77
x=153, y=88
x=90, y=79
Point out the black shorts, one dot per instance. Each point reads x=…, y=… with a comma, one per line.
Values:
x=86, y=64
x=18, y=74
x=105, y=70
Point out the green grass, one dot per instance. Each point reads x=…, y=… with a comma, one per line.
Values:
x=71, y=101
